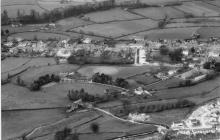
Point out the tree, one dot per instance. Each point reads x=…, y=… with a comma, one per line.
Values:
x=61, y=135
x=176, y=55
x=94, y=127
x=18, y=80
x=207, y=65
x=121, y=82
x=18, y=14
x=2, y=32
x=193, y=50
x=164, y=50
x=4, y=17
x=7, y=31
x=126, y=105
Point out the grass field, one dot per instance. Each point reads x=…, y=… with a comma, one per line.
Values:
x=35, y=72
x=201, y=88
x=115, y=29
x=197, y=10
x=16, y=2
x=206, y=32
x=39, y=35
x=169, y=33
x=71, y=22
x=169, y=116
x=144, y=79
x=111, y=15
x=12, y=63
x=9, y=66
x=160, y=13
x=14, y=124
x=116, y=71
x=25, y=9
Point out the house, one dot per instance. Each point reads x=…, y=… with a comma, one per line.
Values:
x=141, y=91
x=177, y=125
x=138, y=117
x=87, y=40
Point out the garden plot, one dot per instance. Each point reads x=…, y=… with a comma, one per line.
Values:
x=39, y=35
x=35, y=72
x=167, y=33
x=25, y=9
x=111, y=15
x=197, y=10
x=115, y=29
x=116, y=71
x=160, y=13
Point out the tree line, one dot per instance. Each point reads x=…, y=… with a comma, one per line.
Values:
x=106, y=79
x=74, y=95
x=127, y=108
x=42, y=80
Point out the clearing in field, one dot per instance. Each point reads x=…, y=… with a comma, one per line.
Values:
x=111, y=15
x=39, y=35
x=115, y=29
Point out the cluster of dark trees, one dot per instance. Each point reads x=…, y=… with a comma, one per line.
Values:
x=106, y=79
x=65, y=134
x=163, y=23
x=4, y=32
x=212, y=65
x=80, y=94
x=36, y=85
x=74, y=95
x=127, y=108
x=175, y=55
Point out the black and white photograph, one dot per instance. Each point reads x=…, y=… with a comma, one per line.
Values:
x=110, y=70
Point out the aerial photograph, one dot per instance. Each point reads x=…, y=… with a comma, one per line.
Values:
x=110, y=69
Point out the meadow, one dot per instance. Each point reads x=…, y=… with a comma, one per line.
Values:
x=115, y=29
x=39, y=35
x=116, y=14
x=116, y=71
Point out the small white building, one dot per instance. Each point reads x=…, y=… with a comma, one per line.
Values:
x=138, y=117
